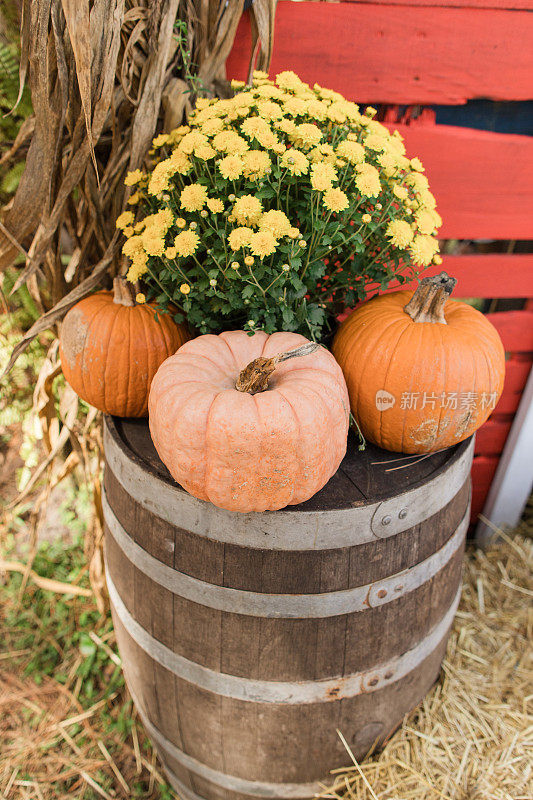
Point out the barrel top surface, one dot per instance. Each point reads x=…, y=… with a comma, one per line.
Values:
x=365, y=476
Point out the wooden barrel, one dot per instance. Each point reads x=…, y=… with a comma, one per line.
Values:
x=249, y=639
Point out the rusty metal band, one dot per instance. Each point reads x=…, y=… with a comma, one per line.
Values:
x=286, y=529
x=284, y=606
x=261, y=691
x=221, y=779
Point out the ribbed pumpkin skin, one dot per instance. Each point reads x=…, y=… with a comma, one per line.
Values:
x=247, y=452
x=110, y=352
x=379, y=347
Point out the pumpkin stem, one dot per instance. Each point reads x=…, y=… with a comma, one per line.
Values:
x=427, y=303
x=123, y=291
x=254, y=377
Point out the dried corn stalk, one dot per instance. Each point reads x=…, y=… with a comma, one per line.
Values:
x=103, y=74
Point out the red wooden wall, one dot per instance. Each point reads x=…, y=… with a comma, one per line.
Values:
x=406, y=52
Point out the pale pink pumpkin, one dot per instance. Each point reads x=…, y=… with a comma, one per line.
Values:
x=246, y=451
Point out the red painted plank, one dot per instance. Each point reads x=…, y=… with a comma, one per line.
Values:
x=517, y=372
x=481, y=275
x=483, y=181
x=491, y=437
x=483, y=470
x=524, y=5
x=401, y=54
x=508, y=403
x=515, y=329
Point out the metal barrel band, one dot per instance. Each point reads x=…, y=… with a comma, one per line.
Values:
x=284, y=606
x=291, y=692
x=286, y=529
x=221, y=779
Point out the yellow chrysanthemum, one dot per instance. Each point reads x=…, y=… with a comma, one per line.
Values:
x=247, y=210
x=176, y=135
x=337, y=112
x=125, y=219
x=193, y=197
x=322, y=176
x=138, y=268
x=417, y=165
x=133, y=177
x=159, y=222
x=316, y=109
x=257, y=164
x=240, y=237
x=185, y=288
x=230, y=142
x=375, y=142
x=289, y=80
x=307, y=134
x=366, y=218
x=425, y=221
x=212, y=126
x=160, y=140
x=180, y=162
x=277, y=222
x=205, y=152
x=426, y=199
x=171, y=252
x=153, y=242
x=335, y=200
x=367, y=181
x=327, y=94
x=133, y=246
x=269, y=91
x=351, y=151
x=230, y=167
x=254, y=126
x=263, y=243
x=423, y=249
x=400, y=192
x=186, y=243
x=295, y=106
x=215, y=206
x=400, y=233
x=191, y=141
x=269, y=110
x=140, y=298
x=286, y=126
x=160, y=177
x=417, y=181
x=295, y=161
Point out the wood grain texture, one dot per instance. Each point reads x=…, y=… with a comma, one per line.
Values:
x=515, y=329
x=400, y=53
x=477, y=201
x=481, y=275
x=241, y=739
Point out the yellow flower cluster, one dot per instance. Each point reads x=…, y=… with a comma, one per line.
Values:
x=224, y=175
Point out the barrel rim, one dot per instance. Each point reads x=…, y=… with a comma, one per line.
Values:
x=458, y=450
x=285, y=529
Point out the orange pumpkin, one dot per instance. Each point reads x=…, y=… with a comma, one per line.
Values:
x=111, y=348
x=423, y=372
x=248, y=422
